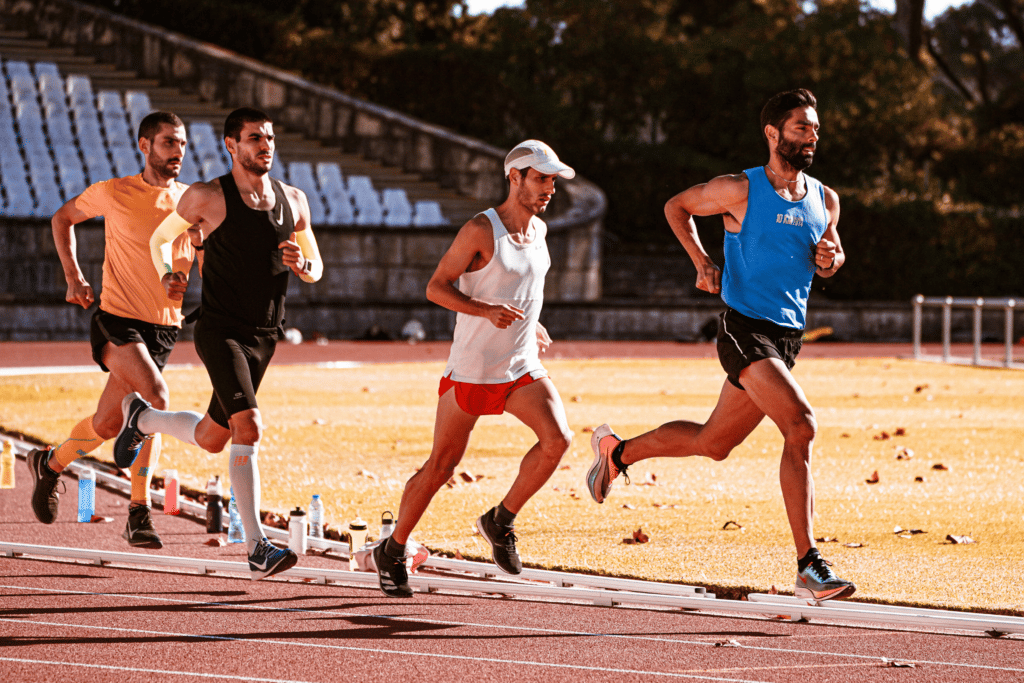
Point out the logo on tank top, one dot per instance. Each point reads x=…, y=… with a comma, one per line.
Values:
x=786, y=219
x=280, y=214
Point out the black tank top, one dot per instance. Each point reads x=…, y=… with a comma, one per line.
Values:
x=244, y=276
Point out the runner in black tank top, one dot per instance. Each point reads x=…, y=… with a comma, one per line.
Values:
x=244, y=278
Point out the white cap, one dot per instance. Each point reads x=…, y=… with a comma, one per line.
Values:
x=536, y=154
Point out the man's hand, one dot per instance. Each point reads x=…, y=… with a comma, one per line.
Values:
x=292, y=254
x=175, y=285
x=543, y=338
x=709, y=278
x=824, y=255
x=503, y=315
x=80, y=292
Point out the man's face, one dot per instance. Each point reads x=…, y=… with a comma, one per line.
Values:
x=254, y=151
x=534, y=190
x=164, y=153
x=799, y=138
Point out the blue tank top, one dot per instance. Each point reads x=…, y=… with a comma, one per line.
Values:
x=769, y=263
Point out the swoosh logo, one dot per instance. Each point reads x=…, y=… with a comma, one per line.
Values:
x=280, y=214
x=258, y=565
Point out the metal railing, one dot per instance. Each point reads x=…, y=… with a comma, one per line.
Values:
x=948, y=303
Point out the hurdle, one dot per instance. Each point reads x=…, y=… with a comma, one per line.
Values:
x=977, y=305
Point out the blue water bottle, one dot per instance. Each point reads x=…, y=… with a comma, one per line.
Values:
x=86, y=494
x=236, y=534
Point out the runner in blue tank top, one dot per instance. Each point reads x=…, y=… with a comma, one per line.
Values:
x=780, y=232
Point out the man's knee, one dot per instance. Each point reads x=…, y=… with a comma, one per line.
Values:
x=107, y=426
x=436, y=474
x=558, y=445
x=802, y=429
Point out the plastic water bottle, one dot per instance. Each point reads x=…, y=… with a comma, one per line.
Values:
x=86, y=494
x=356, y=535
x=214, y=507
x=7, y=466
x=171, y=489
x=236, y=534
x=297, y=531
x=387, y=524
x=316, y=517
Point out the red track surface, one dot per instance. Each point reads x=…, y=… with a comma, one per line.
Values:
x=65, y=621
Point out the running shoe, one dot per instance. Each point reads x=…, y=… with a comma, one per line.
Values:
x=391, y=574
x=267, y=559
x=129, y=440
x=139, y=531
x=819, y=582
x=503, y=543
x=45, y=496
x=601, y=474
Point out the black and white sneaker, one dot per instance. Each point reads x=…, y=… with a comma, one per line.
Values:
x=129, y=440
x=503, y=543
x=391, y=574
x=45, y=496
x=818, y=582
x=267, y=559
x=139, y=531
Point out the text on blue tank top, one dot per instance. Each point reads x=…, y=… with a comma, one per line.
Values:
x=769, y=263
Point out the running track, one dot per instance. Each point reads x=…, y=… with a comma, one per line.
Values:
x=64, y=621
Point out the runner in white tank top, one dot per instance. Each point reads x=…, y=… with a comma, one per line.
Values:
x=493, y=278
x=482, y=353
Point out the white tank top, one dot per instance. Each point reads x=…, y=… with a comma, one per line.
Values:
x=481, y=353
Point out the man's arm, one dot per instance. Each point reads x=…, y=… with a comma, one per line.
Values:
x=63, y=224
x=300, y=252
x=194, y=208
x=829, y=254
x=722, y=195
x=473, y=246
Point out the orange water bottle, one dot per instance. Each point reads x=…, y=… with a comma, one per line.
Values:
x=7, y=466
x=171, y=490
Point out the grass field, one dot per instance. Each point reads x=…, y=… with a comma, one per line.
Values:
x=355, y=435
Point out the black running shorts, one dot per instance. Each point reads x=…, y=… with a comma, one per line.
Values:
x=113, y=329
x=743, y=340
x=236, y=358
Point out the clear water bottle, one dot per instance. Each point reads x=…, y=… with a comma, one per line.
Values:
x=236, y=534
x=387, y=524
x=316, y=517
x=86, y=494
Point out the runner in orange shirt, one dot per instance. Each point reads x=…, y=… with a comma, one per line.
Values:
x=135, y=326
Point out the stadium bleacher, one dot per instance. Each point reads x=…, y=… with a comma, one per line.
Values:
x=66, y=134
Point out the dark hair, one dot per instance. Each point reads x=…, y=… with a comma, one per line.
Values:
x=776, y=110
x=237, y=119
x=150, y=126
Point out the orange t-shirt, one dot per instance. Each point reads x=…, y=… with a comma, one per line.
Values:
x=133, y=209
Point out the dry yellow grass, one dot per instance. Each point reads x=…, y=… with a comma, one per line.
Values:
x=356, y=435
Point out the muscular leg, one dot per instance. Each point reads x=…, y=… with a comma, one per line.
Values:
x=732, y=421
x=246, y=431
x=540, y=408
x=773, y=388
x=452, y=427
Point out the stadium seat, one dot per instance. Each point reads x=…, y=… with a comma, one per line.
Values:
x=125, y=161
x=98, y=165
x=79, y=89
x=368, y=208
x=398, y=210
x=428, y=214
x=340, y=210
x=213, y=167
x=300, y=174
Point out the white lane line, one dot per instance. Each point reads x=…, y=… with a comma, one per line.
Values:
x=374, y=650
x=509, y=627
x=110, y=667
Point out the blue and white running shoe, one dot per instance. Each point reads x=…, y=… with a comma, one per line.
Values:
x=267, y=559
x=817, y=581
x=129, y=440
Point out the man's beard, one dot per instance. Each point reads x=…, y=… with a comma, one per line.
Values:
x=790, y=152
x=164, y=170
x=252, y=166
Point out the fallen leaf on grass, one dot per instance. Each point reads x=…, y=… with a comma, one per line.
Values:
x=773, y=590
x=827, y=539
x=728, y=643
x=319, y=421
x=873, y=479
x=638, y=537
x=884, y=436
x=368, y=474
x=628, y=506
x=939, y=466
x=650, y=480
x=588, y=430
x=565, y=467
x=959, y=540
x=854, y=545
x=844, y=435
x=470, y=478
x=97, y=519
x=904, y=453
x=919, y=388
x=216, y=542
x=910, y=532
x=577, y=399
x=731, y=525
x=665, y=506
x=919, y=479
x=458, y=555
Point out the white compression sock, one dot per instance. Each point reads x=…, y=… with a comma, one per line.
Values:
x=181, y=425
x=245, y=482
